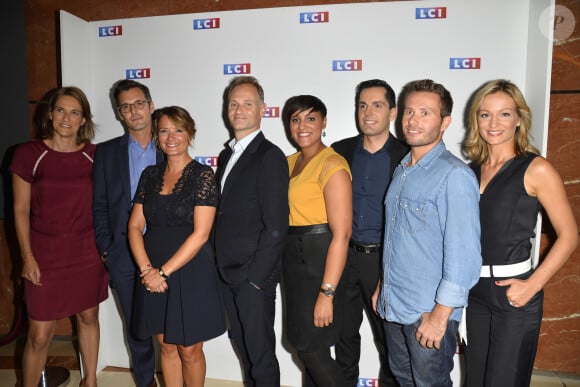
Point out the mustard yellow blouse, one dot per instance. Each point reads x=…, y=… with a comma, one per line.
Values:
x=306, y=190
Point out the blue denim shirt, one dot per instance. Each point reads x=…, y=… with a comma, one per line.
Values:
x=432, y=251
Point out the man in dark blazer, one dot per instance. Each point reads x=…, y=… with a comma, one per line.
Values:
x=117, y=167
x=372, y=156
x=250, y=230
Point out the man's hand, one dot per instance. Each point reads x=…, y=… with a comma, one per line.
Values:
x=375, y=297
x=433, y=326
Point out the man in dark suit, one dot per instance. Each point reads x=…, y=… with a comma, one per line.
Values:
x=250, y=230
x=117, y=167
x=372, y=156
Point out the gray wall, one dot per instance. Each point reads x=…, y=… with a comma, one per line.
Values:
x=14, y=127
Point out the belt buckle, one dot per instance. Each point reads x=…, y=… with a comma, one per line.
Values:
x=367, y=249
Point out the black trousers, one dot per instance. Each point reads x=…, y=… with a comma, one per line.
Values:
x=362, y=274
x=123, y=278
x=501, y=340
x=250, y=315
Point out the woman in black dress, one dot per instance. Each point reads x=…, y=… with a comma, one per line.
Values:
x=505, y=307
x=175, y=205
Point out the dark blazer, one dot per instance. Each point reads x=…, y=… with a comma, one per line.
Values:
x=112, y=200
x=252, y=217
x=347, y=147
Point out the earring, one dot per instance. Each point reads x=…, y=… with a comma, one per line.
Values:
x=323, y=132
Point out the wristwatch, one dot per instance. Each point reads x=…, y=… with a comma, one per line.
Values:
x=328, y=291
x=162, y=273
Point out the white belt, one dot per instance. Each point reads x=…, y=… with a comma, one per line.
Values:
x=507, y=270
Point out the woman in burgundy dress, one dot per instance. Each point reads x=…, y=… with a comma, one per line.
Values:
x=63, y=274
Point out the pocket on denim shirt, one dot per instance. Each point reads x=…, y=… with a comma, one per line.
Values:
x=413, y=215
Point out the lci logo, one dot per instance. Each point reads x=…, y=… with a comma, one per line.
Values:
x=239, y=68
x=137, y=73
x=210, y=161
x=364, y=382
x=464, y=63
x=272, y=112
x=347, y=65
x=206, y=24
x=110, y=31
x=431, y=13
x=313, y=17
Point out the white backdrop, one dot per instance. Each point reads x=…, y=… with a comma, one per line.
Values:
x=305, y=50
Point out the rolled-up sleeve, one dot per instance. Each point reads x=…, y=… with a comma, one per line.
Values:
x=459, y=220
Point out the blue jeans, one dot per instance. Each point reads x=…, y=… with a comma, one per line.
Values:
x=414, y=365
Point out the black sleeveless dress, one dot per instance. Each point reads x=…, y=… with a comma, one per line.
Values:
x=508, y=214
x=191, y=310
x=501, y=339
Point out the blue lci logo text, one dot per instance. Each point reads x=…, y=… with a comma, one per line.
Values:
x=431, y=13
x=210, y=161
x=365, y=382
x=464, y=63
x=137, y=73
x=239, y=68
x=313, y=17
x=206, y=24
x=347, y=65
x=110, y=31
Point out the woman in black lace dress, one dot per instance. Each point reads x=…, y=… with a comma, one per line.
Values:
x=179, y=300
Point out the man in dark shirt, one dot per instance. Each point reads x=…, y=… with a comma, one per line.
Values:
x=372, y=156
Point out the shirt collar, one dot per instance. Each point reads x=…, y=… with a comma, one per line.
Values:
x=386, y=145
x=238, y=146
x=428, y=158
x=132, y=141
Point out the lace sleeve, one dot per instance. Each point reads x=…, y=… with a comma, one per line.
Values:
x=206, y=190
x=332, y=164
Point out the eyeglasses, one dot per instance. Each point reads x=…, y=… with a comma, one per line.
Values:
x=127, y=107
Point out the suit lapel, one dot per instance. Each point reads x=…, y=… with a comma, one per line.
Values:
x=244, y=159
x=123, y=165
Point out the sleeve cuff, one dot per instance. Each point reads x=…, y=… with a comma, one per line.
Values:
x=451, y=295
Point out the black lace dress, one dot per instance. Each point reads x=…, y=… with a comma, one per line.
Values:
x=191, y=309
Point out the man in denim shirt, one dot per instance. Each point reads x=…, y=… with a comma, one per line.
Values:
x=432, y=254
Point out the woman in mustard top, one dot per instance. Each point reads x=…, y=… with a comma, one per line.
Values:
x=320, y=200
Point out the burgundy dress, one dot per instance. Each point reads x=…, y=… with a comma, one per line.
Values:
x=72, y=274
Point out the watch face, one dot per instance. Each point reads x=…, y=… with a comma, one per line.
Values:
x=327, y=292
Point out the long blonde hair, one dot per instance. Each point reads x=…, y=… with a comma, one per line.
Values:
x=474, y=146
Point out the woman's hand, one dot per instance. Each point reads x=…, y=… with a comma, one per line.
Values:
x=152, y=280
x=323, y=311
x=519, y=292
x=30, y=271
